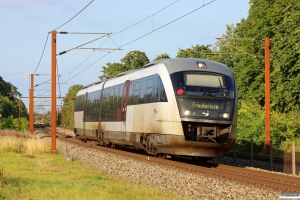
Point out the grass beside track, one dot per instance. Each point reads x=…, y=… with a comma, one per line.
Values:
x=29, y=171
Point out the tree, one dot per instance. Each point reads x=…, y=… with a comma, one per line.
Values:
x=198, y=51
x=112, y=70
x=278, y=20
x=69, y=103
x=7, y=107
x=162, y=56
x=5, y=88
x=132, y=60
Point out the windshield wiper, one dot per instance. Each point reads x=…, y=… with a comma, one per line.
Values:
x=222, y=91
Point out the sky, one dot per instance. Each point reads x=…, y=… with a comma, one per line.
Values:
x=25, y=27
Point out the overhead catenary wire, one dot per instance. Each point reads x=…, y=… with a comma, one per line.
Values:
x=115, y=34
x=63, y=52
x=121, y=31
x=56, y=29
x=75, y=15
x=204, y=4
x=42, y=54
x=146, y=18
x=254, y=56
x=68, y=73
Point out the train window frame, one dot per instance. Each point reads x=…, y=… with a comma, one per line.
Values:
x=143, y=85
x=136, y=92
x=149, y=89
x=79, y=103
x=223, y=90
x=161, y=95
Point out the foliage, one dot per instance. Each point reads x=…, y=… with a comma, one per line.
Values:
x=198, y=51
x=284, y=128
x=162, y=56
x=65, y=117
x=8, y=90
x=132, y=60
x=9, y=108
x=17, y=124
x=111, y=70
x=278, y=20
x=251, y=126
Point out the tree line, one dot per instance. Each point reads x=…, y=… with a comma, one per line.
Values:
x=9, y=108
x=241, y=49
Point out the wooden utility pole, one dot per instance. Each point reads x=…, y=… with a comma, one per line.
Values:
x=31, y=106
x=19, y=103
x=53, y=92
x=267, y=95
x=73, y=115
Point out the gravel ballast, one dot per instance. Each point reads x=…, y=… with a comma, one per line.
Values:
x=176, y=181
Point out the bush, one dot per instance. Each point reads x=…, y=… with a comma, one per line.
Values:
x=17, y=124
x=251, y=126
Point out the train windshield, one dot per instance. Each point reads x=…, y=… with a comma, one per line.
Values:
x=203, y=84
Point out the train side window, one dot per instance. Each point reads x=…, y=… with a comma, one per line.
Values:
x=119, y=109
x=97, y=103
x=143, y=87
x=136, y=93
x=87, y=108
x=111, y=103
x=114, y=102
x=148, y=94
x=160, y=92
x=79, y=103
x=131, y=91
x=105, y=105
x=154, y=89
x=95, y=106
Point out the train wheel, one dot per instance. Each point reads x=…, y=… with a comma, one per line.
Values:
x=164, y=156
x=113, y=145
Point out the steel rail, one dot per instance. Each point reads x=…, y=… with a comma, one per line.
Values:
x=279, y=182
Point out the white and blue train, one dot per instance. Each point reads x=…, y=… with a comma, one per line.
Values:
x=184, y=106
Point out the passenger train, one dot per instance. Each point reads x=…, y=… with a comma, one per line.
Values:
x=184, y=107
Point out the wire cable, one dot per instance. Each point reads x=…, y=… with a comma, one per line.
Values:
x=254, y=56
x=74, y=15
x=56, y=29
x=117, y=33
x=42, y=54
x=142, y=36
x=147, y=17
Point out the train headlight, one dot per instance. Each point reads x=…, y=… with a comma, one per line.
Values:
x=225, y=115
x=187, y=112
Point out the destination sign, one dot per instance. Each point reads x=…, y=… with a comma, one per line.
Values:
x=207, y=105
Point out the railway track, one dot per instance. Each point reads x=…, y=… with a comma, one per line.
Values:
x=276, y=181
x=264, y=158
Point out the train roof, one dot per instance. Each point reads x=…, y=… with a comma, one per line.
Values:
x=192, y=64
x=186, y=64
x=175, y=65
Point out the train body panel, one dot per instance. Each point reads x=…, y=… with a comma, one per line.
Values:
x=159, y=108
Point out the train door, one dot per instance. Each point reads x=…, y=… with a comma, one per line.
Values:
x=84, y=111
x=124, y=108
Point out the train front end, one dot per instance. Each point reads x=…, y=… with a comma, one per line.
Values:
x=206, y=96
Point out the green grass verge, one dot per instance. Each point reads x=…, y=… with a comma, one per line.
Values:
x=49, y=176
